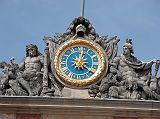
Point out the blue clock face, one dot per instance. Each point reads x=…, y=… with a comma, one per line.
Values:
x=79, y=62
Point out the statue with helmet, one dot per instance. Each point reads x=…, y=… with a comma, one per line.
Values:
x=129, y=78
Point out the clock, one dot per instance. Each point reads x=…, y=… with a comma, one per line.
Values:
x=79, y=63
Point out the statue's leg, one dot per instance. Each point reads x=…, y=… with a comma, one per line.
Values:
x=26, y=86
x=151, y=93
x=16, y=89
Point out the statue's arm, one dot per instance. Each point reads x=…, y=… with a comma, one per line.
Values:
x=41, y=57
x=114, y=65
x=22, y=65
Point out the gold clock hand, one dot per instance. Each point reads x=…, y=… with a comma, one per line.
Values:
x=89, y=69
x=81, y=54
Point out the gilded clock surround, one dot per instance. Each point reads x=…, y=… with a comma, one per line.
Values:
x=102, y=67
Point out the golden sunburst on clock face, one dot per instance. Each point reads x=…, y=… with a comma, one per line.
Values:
x=79, y=63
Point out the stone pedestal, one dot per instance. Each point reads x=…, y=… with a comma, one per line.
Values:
x=67, y=108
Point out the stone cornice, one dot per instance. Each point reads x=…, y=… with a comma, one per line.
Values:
x=114, y=107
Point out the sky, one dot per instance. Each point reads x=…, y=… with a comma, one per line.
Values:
x=27, y=21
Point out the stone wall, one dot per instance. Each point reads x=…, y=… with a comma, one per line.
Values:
x=67, y=108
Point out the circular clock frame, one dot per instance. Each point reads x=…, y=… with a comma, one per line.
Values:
x=77, y=83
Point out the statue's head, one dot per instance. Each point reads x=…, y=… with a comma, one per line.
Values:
x=128, y=47
x=80, y=30
x=3, y=64
x=31, y=50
